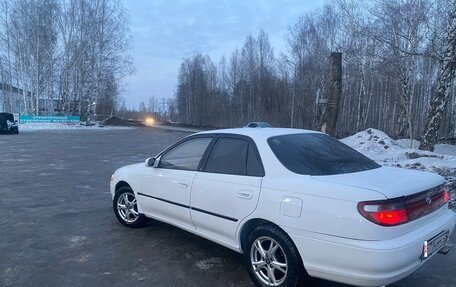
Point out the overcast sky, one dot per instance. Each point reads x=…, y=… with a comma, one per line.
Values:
x=166, y=31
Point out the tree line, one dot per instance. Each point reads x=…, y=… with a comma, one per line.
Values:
x=393, y=56
x=63, y=56
x=162, y=110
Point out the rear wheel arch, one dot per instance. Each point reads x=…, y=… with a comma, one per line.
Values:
x=252, y=224
x=249, y=226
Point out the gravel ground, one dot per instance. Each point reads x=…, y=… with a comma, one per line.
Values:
x=58, y=228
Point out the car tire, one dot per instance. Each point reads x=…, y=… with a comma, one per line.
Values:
x=272, y=259
x=126, y=208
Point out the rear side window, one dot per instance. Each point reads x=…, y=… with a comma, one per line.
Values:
x=234, y=156
x=254, y=165
x=318, y=154
x=185, y=156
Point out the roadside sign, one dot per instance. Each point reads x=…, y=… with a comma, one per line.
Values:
x=49, y=119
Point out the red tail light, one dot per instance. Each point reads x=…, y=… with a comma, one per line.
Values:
x=385, y=212
x=392, y=212
x=393, y=217
x=446, y=196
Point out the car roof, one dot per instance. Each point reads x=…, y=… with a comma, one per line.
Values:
x=258, y=123
x=6, y=116
x=259, y=134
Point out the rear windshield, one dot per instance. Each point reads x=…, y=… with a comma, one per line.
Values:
x=318, y=154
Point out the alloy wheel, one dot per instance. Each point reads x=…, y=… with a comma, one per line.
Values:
x=127, y=207
x=269, y=261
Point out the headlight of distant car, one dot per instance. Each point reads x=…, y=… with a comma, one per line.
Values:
x=113, y=177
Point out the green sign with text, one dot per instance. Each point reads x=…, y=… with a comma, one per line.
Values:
x=49, y=119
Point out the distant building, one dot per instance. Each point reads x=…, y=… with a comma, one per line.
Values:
x=13, y=99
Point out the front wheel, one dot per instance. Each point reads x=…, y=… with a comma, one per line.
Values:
x=272, y=259
x=125, y=208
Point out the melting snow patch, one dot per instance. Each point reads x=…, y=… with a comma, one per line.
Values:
x=381, y=148
x=445, y=149
x=207, y=264
x=405, y=143
x=60, y=126
x=76, y=240
x=371, y=141
x=83, y=257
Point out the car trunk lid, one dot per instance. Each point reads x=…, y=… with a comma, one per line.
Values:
x=391, y=182
x=417, y=194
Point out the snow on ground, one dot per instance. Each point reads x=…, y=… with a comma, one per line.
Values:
x=405, y=143
x=380, y=147
x=60, y=126
x=445, y=149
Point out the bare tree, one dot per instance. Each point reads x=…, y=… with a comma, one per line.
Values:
x=392, y=57
x=6, y=72
x=65, y=56
x=445, y=79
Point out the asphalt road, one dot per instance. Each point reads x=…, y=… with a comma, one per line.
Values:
x=57, y=227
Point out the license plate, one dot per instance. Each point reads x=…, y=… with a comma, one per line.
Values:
x=434, y=244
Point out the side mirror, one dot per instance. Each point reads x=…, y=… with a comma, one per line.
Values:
x=150, y=162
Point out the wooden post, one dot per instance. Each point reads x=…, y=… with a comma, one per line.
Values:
x=332, y=106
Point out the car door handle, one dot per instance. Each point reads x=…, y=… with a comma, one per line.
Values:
x=183, y=184
x=245, y=194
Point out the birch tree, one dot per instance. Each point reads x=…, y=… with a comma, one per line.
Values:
x=6, y=71
x=72, y=55
x=393, y=52
x=445, y=79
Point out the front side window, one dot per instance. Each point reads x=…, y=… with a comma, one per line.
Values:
x=318, y=154
x=185, y=156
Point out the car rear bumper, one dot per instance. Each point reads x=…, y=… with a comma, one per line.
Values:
x=368, y=263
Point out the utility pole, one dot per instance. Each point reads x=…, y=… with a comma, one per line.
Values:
x=293, y=93
x=332, y=107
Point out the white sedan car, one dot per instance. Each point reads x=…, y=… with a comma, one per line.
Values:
x=296, y=203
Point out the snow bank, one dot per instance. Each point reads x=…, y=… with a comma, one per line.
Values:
x=373, y=143
x=60, y=126
x=445, y=149
x=380, y=147
x=405, y=143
